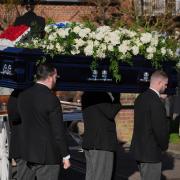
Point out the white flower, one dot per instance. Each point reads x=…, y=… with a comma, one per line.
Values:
x=170, y=52
x=48, y=28
x=135, y=50
x=137, y=42
x=62, y=32
x=100, y=53
x=50, y=47
x=177, y=52
x=146, y=38
x=103, y=29
x=88, y=50
x=103, y=47
x=75, y=51
x=112, y=37
x=52, y=37
x=96, y=43
x=123, y=48
x=79, y=42
x=110, y=47
x=59, y=48
x=150, y=56
x=84, y=32
x=126, y=42
x=92, y=35
x=76, y=29
x=132, y=34
x=154, y=41
x=163, y=50
x=151, y=49
x=99, y=36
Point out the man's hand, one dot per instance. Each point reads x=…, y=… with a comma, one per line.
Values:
x=66, y=163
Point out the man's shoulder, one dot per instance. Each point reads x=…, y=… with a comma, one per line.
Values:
x=145, y=97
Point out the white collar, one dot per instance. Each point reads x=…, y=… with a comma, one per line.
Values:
x=111, y=96
x=155, y=91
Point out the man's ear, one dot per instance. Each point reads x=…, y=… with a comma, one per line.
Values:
x=49, y=79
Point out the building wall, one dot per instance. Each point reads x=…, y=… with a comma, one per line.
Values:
x=56, y=12
x=125, y=117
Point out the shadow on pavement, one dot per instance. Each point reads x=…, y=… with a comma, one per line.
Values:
x=125, y=167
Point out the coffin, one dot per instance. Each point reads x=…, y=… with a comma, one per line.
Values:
x=17, y=67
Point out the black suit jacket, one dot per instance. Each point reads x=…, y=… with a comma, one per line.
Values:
x=43, y=138
x=36, y=23
x=15, y=122
x=150, y=136
x=98, y=113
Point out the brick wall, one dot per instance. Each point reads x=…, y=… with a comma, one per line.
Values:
x=61, y=12
x=124, y=125
x=55, y=12
x=125, y=118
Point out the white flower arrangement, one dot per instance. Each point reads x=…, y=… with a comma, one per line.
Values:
x=117, y=45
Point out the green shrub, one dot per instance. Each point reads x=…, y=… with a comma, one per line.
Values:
x=174, y=138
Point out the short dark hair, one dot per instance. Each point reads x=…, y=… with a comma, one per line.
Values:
x=44, y=70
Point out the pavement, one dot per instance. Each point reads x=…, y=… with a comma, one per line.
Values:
x=125, y=166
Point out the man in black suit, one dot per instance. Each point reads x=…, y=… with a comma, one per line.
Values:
x=150, y=136
x=100, y=140
x=14, y=147
x=29, y=18
x=43, y=139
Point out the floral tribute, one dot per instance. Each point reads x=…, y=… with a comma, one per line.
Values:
x=13, y=34
x=104, y=42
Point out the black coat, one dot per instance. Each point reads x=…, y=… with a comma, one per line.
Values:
x=43, y=138
x=15, y=122
x=150, y=136
x=36, y=23
x=99, y=112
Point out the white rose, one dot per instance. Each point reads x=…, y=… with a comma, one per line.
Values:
x=123, y=48
x=62, y=33
x=79, y=42
x=82, y=33
x=52, y=37
x=96, y=43
x=75, y=51
x=110, y=47
x=76, y=29
x=103, y=47
x=88, y=50
x=146, y=38
x=150, y=56
x=151, y=49
x=154, y=41
x=135, y=50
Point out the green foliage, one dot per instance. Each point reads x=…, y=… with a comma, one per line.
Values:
x=174, y=138
x=50, y=21
x=114, y=68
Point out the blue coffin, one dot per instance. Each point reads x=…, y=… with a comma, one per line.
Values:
x=17, y=67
